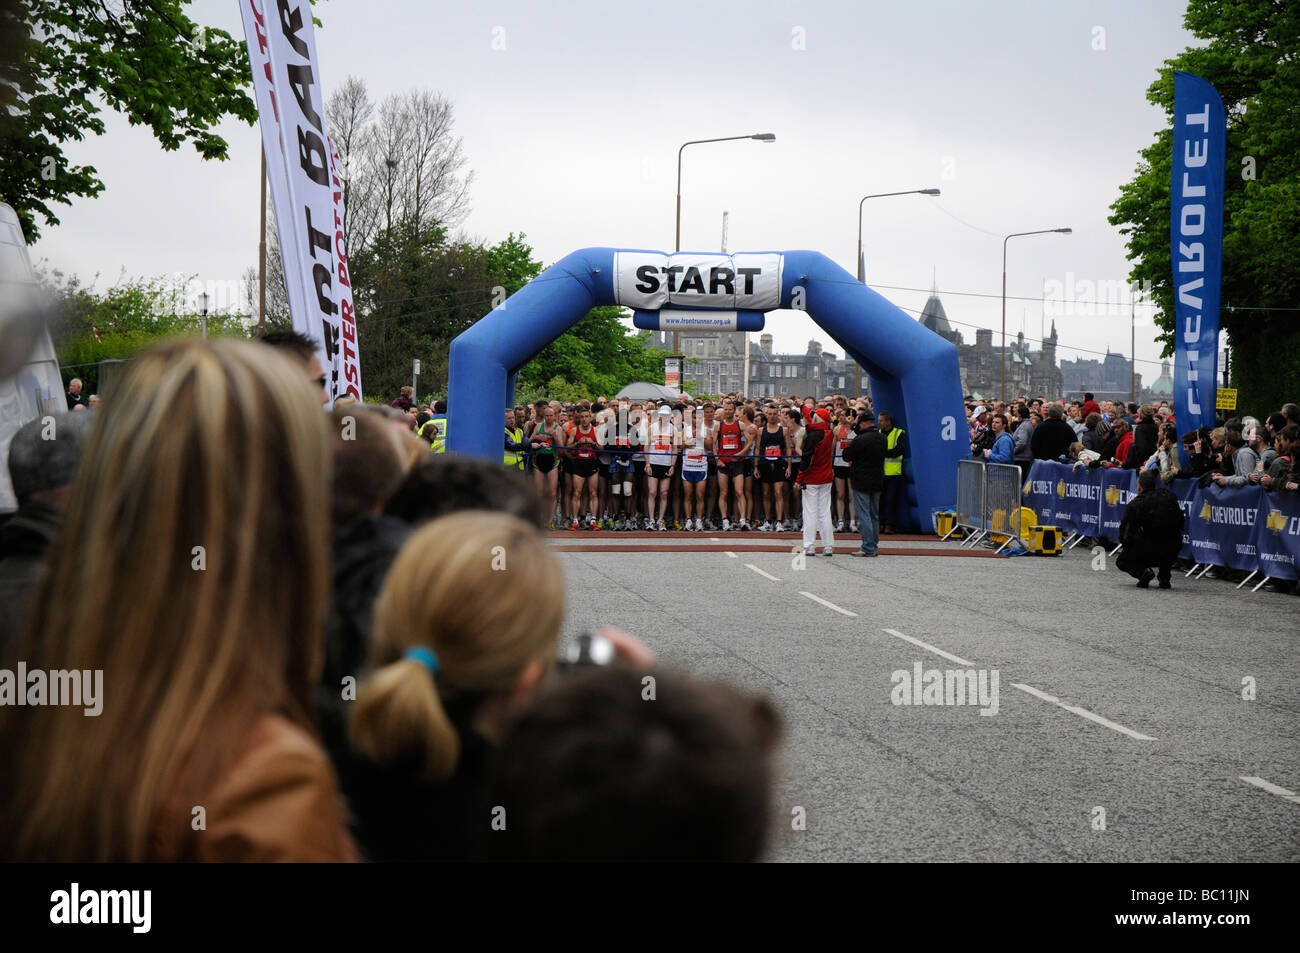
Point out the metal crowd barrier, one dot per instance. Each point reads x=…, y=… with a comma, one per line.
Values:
x=988, y=501
x=970, y=514
x=1002, y=484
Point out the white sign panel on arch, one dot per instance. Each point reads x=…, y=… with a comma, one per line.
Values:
x=652, y=280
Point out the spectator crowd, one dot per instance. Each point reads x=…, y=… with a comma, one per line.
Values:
x=320, y=641
x=1243, y=451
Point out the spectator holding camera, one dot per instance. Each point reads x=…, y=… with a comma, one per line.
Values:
x=465, y=630
x=591, y=771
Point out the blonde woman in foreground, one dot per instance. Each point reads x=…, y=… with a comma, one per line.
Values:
x=465, y=629
x=192, y=570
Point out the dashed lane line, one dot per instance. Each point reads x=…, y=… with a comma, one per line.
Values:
x=929, y=648
x=1083, y=712
x=1283, y=793
x=829, y=605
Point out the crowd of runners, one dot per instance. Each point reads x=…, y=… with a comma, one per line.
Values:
x=628, y=465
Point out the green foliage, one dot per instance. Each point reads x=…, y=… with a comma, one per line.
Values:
x=64, y=60
x=597, y=354
x=1250, y=58
x=130, y=316
x=415, y=292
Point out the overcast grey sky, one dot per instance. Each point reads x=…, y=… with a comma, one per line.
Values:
x=1026, y=114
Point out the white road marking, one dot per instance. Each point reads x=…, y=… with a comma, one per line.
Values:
x=732, y=555
x=929, y=648
x=829, y=605
x=765, y=575
x=1274, y=789
x=714, y=539
x=1083, y=712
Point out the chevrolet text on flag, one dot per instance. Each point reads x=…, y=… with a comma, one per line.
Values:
x=308, y=203
x=1196, y=246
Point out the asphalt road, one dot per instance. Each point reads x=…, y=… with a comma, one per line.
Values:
x=1157, y=734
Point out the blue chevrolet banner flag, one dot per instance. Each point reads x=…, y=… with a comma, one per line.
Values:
x=1187, y=493
x=1038, y=490
x=1222, y=526
x=1196, y=246
x=1277, y=535
x=1083, y=493
x=1117, y=488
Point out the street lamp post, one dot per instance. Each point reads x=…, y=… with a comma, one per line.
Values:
x=862, y=265
x=677, y=241
x=204, y=322
x=1041, y=231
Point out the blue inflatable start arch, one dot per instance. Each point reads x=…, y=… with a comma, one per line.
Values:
x=914, y=373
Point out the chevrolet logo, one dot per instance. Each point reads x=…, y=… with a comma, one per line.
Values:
x=1060, y=489
x=1112, y=495
x=1276, y=521
x=1205, y=512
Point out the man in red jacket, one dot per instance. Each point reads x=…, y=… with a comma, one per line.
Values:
x=814, y=480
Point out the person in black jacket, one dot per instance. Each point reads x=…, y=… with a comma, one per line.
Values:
x=1199, y=461
x=1052, y=438
x=42, y=472
x=369, y=467
x=1151, y=532
x=866, y=459
x=1145, y=439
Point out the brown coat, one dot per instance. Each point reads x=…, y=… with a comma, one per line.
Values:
x=279, y=801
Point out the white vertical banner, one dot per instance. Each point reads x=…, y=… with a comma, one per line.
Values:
x=296, y=79
x=348, y=361
x=256, y=36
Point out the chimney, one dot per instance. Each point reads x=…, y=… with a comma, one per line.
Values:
x=814, y=348
x=765, y=342
x=984, y=339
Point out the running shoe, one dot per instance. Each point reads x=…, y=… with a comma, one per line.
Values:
x=677, y=525
x=619, y=525
x=779, y=528
x=766, y=527
x=828, y=551
x=573, y=528
x=726, y=525
x=853, y=526
x=839, y=526
x=660, y=526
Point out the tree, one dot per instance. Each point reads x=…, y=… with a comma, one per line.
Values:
x=405, y=169
x=62, y=61
x=1250, y=58
x=597, y=354
x=88, y=326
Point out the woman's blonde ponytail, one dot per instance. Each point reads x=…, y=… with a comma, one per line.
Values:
x=398, y=718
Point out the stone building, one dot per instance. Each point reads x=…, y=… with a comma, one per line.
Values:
x=1028, y=372
x=715, y=364
x=1107, y=379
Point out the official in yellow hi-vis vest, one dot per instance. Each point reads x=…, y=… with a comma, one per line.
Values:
x=439, y=420
x=893, y=516
x=515, y=446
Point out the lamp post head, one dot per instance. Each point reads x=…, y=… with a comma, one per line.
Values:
x=929, y=191
x=1063, y=231
x=764, y=137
